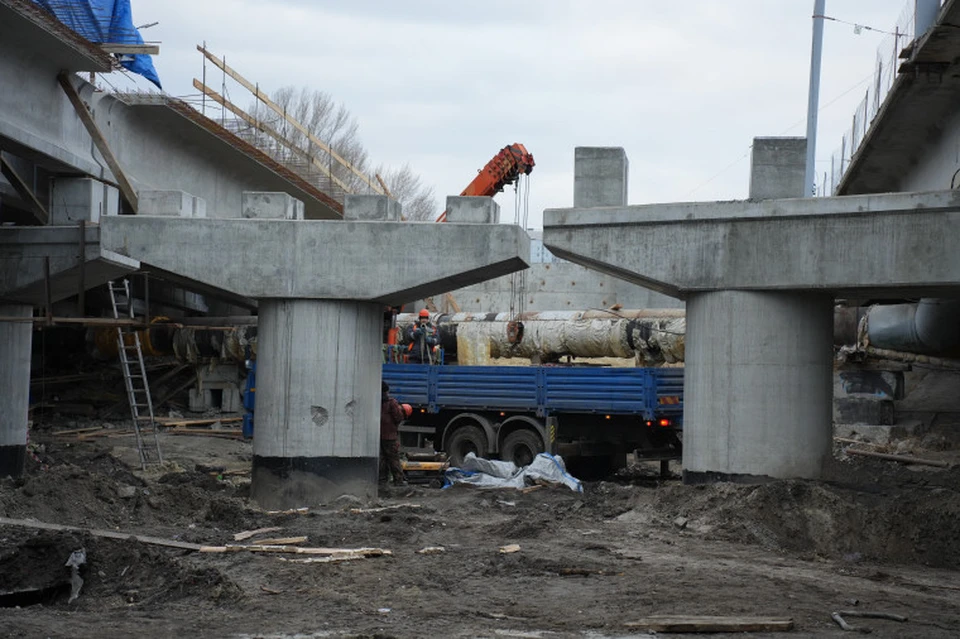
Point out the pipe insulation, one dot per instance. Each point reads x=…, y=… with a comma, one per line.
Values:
x=930, y=326
x=652, y=337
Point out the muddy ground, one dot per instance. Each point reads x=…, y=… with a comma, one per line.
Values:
x=875, y=536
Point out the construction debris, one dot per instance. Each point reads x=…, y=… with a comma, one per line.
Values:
x=432, y=550
x=509, y=548
x=361, y=511
x=669, y=623
x=904, y=459
x=247, y=534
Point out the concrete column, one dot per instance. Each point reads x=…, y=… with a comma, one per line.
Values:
x=757, y=385
x=472, y=210
x=15, y=340
x=778, y=168
x=318, y=402
x=371, y=208
x=600, y=176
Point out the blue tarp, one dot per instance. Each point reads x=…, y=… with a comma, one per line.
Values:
x=104, y=21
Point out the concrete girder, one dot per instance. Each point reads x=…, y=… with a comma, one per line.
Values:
x=389, y=263
x=850, y=245
x=22, y=254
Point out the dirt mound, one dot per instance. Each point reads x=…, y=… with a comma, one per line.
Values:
x=919, y=524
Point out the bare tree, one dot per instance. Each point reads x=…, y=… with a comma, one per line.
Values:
x=406, y=187
x=331, y=123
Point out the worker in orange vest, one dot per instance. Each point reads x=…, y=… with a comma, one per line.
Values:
x=422, y=338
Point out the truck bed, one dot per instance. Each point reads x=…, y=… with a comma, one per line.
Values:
x=544, y=390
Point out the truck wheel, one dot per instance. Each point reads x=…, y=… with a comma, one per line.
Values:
x=466, y=439
x=521, y=446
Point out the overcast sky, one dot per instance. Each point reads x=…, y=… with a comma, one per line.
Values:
x=682, y=86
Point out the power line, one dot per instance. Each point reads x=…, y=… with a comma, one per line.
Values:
x=858, y=27
x=792, y=126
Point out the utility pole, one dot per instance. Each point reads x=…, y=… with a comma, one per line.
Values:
x=813, y=99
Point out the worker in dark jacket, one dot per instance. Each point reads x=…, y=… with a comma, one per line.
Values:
x=422, y=338
x=391, y=414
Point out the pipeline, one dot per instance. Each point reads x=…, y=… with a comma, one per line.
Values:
x=188, y=343
x=930, y=326
x=652, y=337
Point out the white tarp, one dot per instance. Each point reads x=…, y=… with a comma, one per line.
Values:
x=488, y=473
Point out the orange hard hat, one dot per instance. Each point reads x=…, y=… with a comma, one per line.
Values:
x=424, y=313
x=407, y=409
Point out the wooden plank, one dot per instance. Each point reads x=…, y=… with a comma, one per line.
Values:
x=669, y=623
x=269, y=130
x=131, y=49
x=282, y=541
x=177, y=421
x=24, y=191
x=105, y=534
x=276, y=108
x=247, y=534
x=906, y=459
x=101, y=142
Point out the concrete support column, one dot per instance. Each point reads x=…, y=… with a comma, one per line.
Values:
x=758, y=385
x=15, y=341
x=318, y=401
x=600, y=176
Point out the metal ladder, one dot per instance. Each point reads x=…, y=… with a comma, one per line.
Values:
x=135, y=376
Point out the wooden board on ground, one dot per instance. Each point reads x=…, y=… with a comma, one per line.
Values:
x=178, y=421
x=683, y=623
x=247, y=534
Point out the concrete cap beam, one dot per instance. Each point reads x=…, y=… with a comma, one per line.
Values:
x=851, y=245
x=366, y=261
x=22, y=253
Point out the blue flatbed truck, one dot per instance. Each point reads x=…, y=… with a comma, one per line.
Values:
x=591, y=416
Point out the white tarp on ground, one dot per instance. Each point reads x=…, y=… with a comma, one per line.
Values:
x=488, y=473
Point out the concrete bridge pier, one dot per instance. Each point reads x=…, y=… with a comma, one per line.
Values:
x=318, y=378
x=321, y=288
x=759, y=277
x=758, y=385
x=15, y=343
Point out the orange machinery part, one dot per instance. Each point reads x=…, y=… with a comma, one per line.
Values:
x=505, y=168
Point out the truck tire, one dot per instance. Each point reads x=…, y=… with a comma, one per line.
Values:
x=521, y=446
x=466, y=439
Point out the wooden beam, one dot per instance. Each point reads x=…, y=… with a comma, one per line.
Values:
x=682, y=623
x=101, y=142
x=131, y=49
x=266, y=128
x=276, y=108
x=24, y=191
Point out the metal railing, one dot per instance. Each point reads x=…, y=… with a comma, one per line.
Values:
x=884, y=77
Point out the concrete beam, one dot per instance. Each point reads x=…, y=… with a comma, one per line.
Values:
x=22, y=253
x=24, y=24
x=851, y=245
x=367, y=261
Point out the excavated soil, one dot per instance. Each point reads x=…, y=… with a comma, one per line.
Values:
x=875, y=536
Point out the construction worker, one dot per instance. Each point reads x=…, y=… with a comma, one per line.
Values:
x=391, y=414
x=422, y=339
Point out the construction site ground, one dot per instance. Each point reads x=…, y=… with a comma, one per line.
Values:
x=874, y=536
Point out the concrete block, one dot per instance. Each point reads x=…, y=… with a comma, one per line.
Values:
x=371, y=208
x=166, y=203
x=200, y=400
x=472, y=210
x=232, y=401
x=851, y=410
x=600, y=176
x=870, y=383
x=199, y=207
x=881, y=433
x=268, y=205
x=778, y=167
x=75, y=199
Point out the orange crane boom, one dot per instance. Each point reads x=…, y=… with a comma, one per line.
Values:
x=506, y=167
